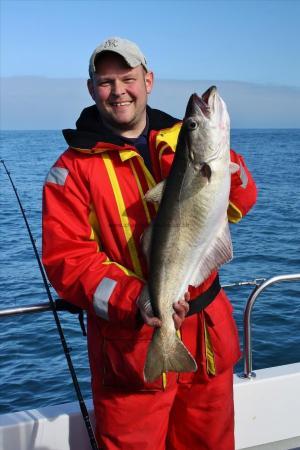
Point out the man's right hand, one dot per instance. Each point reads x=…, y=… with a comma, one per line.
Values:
x=146, y=310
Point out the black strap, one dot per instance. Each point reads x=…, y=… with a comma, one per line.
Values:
x=204, y=299
x=64, y=305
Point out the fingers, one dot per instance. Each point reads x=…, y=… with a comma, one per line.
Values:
x=154, y=322
x=150, y=320
x=181, y=309
x=187, y=296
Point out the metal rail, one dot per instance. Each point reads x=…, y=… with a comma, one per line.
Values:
x=41, y=307
x=60, y=305
x=255, y=282
x=248, y=374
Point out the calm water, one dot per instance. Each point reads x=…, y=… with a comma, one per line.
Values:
x=33, y=371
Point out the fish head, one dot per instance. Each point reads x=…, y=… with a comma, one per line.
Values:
x=206, y=128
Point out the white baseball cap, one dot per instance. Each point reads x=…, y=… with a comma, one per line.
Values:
x=127, y=49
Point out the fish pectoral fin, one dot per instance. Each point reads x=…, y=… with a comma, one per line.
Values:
x=219, y=252
x=162, y=357
x=155, y=194
x=234, y=167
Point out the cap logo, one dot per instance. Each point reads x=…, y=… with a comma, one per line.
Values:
x=110, y=43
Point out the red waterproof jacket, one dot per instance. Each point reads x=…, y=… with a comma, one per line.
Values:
x=94, y=214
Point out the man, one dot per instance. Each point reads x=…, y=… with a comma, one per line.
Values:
x=93, y=217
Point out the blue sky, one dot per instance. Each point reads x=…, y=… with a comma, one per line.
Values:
x=255, y=41
x=249, y=49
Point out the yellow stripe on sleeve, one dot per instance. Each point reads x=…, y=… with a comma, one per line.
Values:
x=95, y=233
x=127, y=272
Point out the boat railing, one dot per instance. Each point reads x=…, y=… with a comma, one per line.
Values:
x=260, y=285
x=60, y=305
x=248, y=373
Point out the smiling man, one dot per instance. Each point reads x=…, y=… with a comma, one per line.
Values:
x=94, y=214
x=120, y=88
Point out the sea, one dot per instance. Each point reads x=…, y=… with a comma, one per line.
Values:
x=33, y=369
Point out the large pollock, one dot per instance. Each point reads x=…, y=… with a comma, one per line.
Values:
x=190, y=236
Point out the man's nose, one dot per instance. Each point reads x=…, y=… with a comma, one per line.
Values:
x=118, y=88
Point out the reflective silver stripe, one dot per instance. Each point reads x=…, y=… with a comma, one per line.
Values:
x=243, y=176
x=102, y=296
x=57, y=175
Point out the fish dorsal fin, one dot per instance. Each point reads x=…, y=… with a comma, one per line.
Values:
x=155, y=194
x=219, y=252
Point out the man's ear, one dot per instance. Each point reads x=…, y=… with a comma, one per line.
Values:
x=149, y=80
x=90, y=86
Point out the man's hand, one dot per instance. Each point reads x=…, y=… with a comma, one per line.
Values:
x=181, y=309
x=146, y=310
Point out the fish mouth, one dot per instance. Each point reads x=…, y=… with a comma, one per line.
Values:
x=203, y=104
x=208, y=95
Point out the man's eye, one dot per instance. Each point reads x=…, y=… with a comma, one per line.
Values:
x=129, y=80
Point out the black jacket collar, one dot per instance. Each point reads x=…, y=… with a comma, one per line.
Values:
x=90, y=129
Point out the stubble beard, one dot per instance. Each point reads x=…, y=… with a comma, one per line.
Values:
x=118, y=126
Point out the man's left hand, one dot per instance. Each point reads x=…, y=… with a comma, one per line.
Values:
x=181, y=309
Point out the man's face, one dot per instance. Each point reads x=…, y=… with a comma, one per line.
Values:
x=120, y=94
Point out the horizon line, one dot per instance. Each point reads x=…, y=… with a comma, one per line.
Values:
x=182, y=80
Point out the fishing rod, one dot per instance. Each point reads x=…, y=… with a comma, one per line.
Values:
x=66, y=350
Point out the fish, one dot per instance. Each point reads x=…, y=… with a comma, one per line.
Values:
x=189, y=237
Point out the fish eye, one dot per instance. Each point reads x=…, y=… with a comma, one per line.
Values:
x=192, y=124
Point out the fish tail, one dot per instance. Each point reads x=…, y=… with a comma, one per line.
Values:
x=162, y=357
